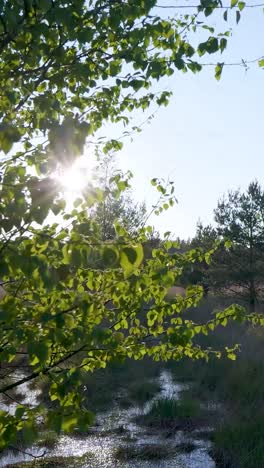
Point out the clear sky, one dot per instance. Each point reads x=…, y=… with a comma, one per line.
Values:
x=211, y=136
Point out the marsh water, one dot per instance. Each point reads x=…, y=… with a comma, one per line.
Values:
x=118, y=428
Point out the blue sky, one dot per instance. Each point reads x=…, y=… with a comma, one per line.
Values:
x=210, y=137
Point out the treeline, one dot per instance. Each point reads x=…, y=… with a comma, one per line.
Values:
x=236, y=242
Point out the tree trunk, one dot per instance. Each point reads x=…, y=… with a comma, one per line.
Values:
x=252, y=289
x=252, y=296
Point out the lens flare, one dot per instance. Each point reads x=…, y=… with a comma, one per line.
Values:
x=75, y=179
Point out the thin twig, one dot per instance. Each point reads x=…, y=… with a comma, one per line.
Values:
x=215, y=7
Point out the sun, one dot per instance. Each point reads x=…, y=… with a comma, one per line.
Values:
x=75, y=179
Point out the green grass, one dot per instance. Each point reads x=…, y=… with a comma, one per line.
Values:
x=143, y=391
x=185, y=447
x=47, y=439
x=55, y=462
x=152, y=452
x=237, y=386
x=106, y=385
x=241, y=442
x=167, y=412
x=138, y=392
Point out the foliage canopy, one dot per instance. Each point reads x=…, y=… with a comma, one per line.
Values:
x=73, y=302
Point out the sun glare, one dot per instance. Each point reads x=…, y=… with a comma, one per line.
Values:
x=75, y=179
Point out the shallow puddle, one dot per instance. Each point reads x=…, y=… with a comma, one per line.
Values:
x=116, y=428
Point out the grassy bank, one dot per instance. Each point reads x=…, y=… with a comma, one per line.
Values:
x=238, y=387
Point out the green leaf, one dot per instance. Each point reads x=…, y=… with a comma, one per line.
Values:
x=218, y=71
x=210, y=46
x=241, y=5
x=69, y=423
x=223, y=44
x=8, y=136
x=130, y=258
x=231, y=356
x=110, y=256
x=29, y=432
x=38, y=352
x=20, y=411
x=224, y=321
x=66, y=252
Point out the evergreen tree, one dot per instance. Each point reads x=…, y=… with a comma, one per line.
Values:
x=240, y=218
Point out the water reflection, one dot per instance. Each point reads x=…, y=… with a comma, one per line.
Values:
x=117, y=427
